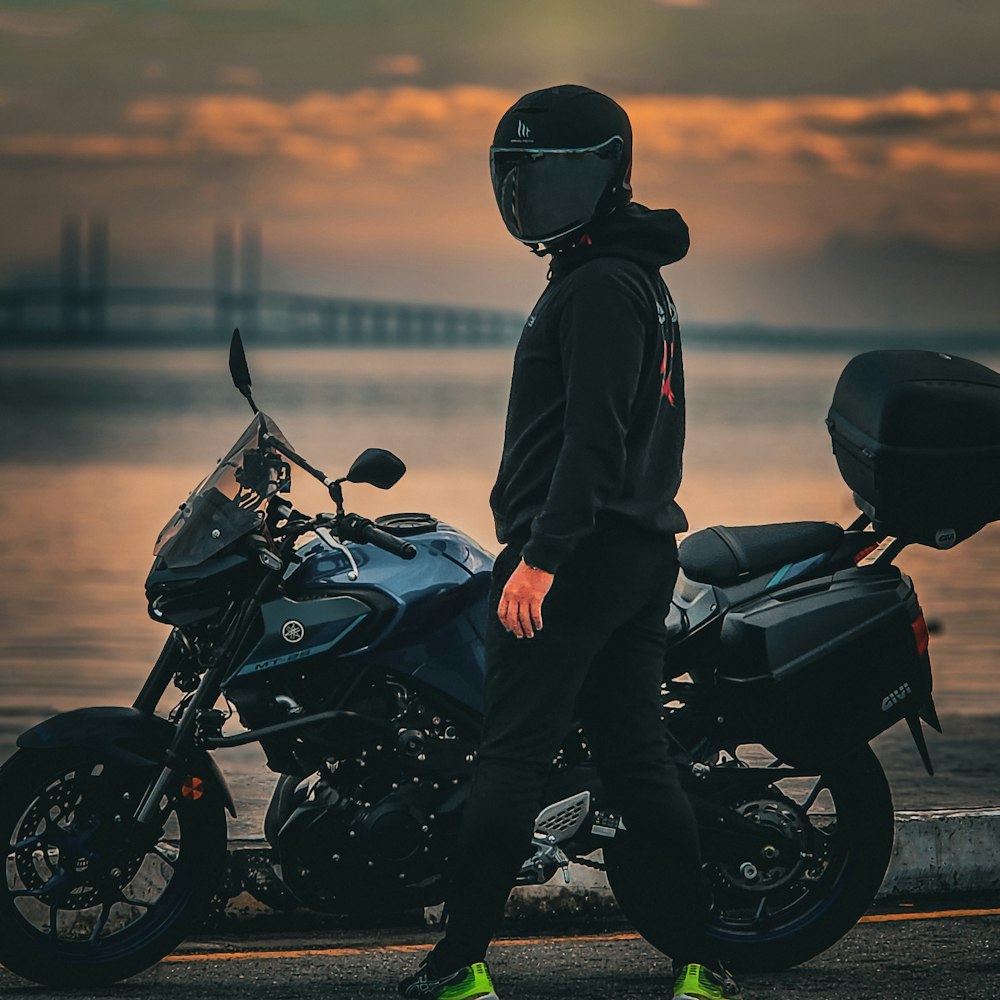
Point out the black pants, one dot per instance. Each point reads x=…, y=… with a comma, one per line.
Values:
x=601, y=650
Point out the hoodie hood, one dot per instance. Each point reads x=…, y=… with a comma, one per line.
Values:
x=650, y=237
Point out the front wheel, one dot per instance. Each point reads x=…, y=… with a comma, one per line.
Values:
x=87, y=899
x=765, y=920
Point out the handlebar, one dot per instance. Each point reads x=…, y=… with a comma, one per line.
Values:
x=354, y=527
x=347, y=527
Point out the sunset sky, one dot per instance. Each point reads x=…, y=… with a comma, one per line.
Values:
x=838, y=162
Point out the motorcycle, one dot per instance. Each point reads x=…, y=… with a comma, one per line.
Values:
x=354, y=657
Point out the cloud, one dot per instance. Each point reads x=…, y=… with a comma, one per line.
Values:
x=93, y=146
x=27, y=23
x=909, y=249
x=403, y=127
x=231, y=5
x=398, y=64
x=853, y=136
x=240, y=76
x=905, y=278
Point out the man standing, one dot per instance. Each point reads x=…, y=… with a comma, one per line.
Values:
x=584, y=502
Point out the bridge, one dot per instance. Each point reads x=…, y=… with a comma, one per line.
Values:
x=83, y=307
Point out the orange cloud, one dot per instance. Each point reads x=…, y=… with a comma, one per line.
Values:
x=398, y=64
x=846, y=135
x=407, y=128
x=402, y=127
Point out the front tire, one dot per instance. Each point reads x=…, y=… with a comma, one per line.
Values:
x=83, y=902
x=758, y=929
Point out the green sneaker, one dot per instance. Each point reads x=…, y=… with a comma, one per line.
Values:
x=470, y=983
x=699, y=982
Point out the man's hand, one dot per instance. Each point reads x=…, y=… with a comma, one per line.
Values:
x=520, y=608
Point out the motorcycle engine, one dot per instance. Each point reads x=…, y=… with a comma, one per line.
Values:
x=373, y=831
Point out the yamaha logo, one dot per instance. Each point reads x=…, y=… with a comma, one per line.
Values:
x=895, y=697
x=292, y=631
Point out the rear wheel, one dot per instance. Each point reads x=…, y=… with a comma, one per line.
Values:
x=84, y=900
x=767, y=919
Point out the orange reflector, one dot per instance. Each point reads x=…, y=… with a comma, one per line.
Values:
x=193, y=788
x=920, y=635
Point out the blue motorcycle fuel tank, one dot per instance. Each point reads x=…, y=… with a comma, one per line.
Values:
x=424, y=617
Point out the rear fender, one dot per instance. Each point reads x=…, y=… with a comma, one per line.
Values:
x=126, y=734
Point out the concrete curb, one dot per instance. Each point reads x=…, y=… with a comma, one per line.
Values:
x=944, y=850
x=935, y=852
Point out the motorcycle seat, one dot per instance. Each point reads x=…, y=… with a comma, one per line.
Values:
x=723, y=555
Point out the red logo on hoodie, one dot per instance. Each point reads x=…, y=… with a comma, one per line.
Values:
x=666, y=389
x=667, y=362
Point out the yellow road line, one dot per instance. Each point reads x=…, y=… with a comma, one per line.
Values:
x=886, y=918
x=229, y=956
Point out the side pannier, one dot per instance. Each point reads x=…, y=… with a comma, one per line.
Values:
x=818, y=669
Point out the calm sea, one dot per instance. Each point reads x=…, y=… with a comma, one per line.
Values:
x=99, y=446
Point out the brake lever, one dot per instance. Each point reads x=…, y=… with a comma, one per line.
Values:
x=334, y=542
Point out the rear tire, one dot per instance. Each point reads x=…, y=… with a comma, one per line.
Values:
x=809, y=914
x=117, y=909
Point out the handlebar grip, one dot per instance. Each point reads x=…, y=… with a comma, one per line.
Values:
x=390, y=543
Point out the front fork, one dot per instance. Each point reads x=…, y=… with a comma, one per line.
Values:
x=167, y=664
x=179, y=751
x=205, y=696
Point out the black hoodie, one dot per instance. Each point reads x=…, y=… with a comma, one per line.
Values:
x=595, y=421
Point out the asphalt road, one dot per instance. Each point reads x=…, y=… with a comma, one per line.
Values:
x=915, y=952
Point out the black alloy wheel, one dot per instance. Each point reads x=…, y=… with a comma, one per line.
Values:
x=84, y=900
x=770, y=917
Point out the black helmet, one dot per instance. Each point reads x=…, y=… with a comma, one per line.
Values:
x=561, y=157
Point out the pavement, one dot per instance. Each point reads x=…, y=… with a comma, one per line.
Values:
x=914, y=949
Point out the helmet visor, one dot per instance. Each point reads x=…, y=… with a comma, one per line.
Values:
x=543, y=194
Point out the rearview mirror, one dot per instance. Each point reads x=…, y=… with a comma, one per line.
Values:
x=377, y=467
x=238, y=367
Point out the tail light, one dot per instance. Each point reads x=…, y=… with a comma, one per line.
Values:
x=920, y=634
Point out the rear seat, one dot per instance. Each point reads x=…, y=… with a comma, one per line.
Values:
x=722, y=555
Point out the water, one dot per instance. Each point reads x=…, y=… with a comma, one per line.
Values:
x=99, y=446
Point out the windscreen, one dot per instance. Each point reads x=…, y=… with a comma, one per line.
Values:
x=225, y=505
